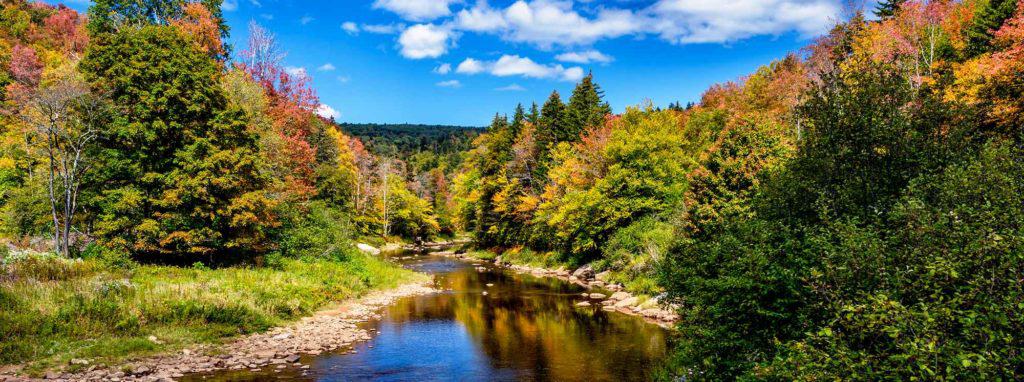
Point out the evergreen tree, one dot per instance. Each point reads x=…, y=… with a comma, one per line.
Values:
x=888, y=8
x=109, y=16
x=518, y=119
x=179, y=175
x=989, y=17
x=534, y=117
x=586, y=108
x=552, y=120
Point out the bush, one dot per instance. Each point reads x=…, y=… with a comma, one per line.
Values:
x=321, y=232
x=634, y=253
x=940, y=298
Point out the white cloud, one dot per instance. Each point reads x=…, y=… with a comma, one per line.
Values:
x=548, y=23
x=470, y=66
x=514, y=65
x=296, y=71
x=443, y=69
x=327, y=112
x=585, y=57
x=691, y=21
x=450, y=84
x=425, y=41
x=383, y=28
x=350, y=27
x=266, y=16
x=306, y=20
x=481, y=18
x=416, y=10
x=344, y=79
x=229, y=5
x=328, y=67
x=511, y=88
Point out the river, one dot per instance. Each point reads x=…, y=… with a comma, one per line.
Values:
x=489, y=325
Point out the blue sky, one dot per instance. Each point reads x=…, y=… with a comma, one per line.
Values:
x=459, y=62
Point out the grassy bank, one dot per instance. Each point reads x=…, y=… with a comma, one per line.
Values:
x=637, y=277
x=53, y=310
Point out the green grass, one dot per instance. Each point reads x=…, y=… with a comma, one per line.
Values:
x=53, y=310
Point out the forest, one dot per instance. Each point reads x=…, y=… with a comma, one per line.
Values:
x=852, y=211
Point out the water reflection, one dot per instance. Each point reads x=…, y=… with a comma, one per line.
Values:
x=524, y=328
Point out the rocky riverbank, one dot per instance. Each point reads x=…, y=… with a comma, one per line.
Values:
x=279, y=348
x=609, y=296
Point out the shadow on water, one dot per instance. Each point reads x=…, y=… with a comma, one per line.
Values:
x=525, y=328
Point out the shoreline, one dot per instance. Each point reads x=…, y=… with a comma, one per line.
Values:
x=609, y=297
x=283, y=347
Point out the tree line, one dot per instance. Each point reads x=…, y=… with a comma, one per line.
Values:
x=851, y=212
x=136, y=129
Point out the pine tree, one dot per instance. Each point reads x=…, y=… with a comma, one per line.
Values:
x=586, y=108
x=552, y=117
x=534, y=117
x=518, y=119
x=888, y=8
x=989, y=17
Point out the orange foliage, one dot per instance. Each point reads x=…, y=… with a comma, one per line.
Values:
x=199, y=23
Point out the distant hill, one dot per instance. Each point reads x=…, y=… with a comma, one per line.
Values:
x=403, y=140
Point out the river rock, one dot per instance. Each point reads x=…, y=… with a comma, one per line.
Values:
x=292, y=358
x=626, y=302
x=618, y=296
x=603, y=276
x=584, y=303
x=368, y=249
x=584, y=273
x=598, y=296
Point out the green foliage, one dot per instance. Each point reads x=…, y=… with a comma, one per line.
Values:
x=989, y=16
x=642, y=171
x=939, y=297
x=319, y=231
x=181, y=174
x=636, y=252
x=90, y=310
x=111, y=16
x=409, y=215
x=586, y=109
x=740, y=292
x=405, y=140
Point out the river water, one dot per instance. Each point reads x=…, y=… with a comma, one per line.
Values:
x=524, y=328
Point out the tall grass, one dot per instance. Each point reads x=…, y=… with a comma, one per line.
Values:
x=53, y=310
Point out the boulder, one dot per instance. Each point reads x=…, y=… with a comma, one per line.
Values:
x=584, y=273
x=597, y=284
x=603, y=276
x=292, y=358
x=368, y=249
x=584, y=303
x=620, y=296
x=598, y=296
x=627, y=302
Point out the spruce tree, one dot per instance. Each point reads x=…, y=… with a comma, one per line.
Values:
x=989, y=17
x=534, y=117
x=518, y=119
x=586, y=108
x=888, y=8
x=552, y=117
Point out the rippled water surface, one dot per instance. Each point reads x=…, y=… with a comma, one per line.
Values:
x=524, y=329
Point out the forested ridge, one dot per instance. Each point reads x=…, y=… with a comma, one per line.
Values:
x=850, y=212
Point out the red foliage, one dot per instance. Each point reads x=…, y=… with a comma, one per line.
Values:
x=25, y=65
x=66, y=29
